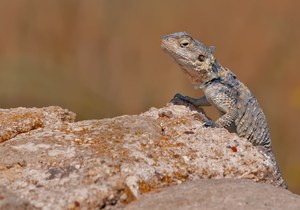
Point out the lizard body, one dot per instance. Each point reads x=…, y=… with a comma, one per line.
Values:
x=222, y=89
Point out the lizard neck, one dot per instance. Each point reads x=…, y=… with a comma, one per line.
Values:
x=216, y=65
x=210, y=82
x=215, y=76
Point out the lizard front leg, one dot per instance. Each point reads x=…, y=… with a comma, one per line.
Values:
x=225, y=101
x=198, y=102
x=195, y=101
x=230, y=113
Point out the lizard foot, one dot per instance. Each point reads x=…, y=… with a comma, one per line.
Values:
x=181, y=97
x=209, y=124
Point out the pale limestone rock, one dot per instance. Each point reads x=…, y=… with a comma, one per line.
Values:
x=56, y=163
x=221, y=194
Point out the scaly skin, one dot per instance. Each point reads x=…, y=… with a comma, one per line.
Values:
x=239, y=108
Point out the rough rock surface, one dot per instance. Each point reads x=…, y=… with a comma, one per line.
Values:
x=54, y=163
x=10, y=201
x=218, y=194
x=22, y=120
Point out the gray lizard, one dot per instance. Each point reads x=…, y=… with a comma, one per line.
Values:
x=222, y=89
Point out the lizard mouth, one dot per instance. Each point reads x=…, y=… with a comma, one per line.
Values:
x=177, y=56
x=165, y=47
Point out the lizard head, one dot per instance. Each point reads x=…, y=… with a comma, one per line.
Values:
x=194, y=57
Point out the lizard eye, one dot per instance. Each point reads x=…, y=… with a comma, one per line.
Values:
x=201, y=58
x=184, y=43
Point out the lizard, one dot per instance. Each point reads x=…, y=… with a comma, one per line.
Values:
x=238, y=106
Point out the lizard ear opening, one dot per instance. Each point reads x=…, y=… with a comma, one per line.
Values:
x=201, y=58
x=211, y=49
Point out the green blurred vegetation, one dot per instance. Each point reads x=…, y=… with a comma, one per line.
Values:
x=102, y=58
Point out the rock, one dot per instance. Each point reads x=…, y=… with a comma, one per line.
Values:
x=10, y=201
x=218, y=194
x=22, y=120
x=56, y=163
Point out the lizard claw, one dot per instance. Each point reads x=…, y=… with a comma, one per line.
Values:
x=178, y=95
x=179, y=99
x=209, y=124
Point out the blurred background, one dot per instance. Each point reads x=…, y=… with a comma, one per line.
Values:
x=102, y=58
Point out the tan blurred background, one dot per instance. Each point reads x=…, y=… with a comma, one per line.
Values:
x=103, y=58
